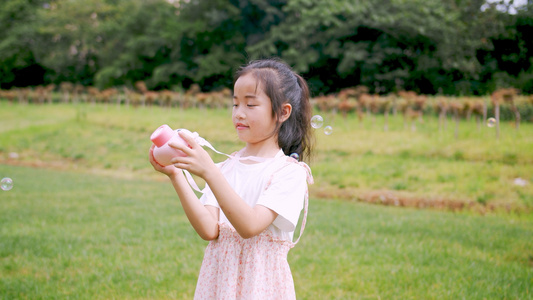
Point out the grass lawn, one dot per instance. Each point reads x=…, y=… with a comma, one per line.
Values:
x=359, y=161
x=88, y=218
x=72, y=235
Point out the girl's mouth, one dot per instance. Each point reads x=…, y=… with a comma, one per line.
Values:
x=240, y=126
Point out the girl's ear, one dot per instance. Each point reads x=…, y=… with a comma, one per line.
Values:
x=286, y=111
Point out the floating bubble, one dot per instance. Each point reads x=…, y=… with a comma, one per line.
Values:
x=6, y=184
x=328, y=130
x=491, y=122
x=520, y=182
x=317, y=121
x=295, y=156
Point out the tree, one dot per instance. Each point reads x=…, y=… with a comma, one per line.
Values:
x=70, y=38
x=134, y=42
x=447, y=47
x=509, y=62
x=386, y=45
x=169, y=46
x=18, y=66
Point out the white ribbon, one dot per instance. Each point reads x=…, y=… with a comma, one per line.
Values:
x=203, y=142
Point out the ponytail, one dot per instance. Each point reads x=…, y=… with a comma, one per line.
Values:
x=295, y=134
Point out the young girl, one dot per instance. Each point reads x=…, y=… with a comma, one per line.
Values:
x=252, y=201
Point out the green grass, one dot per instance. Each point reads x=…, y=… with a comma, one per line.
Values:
x=357, y=160
x=88, y=217
x=429, y=162
x=73, y=235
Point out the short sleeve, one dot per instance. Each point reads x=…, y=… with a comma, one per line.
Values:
x=285, y=195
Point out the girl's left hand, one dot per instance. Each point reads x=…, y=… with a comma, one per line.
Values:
x=169, y=170
x=197, y=160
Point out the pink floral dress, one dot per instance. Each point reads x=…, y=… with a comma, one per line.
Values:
x=254, y=268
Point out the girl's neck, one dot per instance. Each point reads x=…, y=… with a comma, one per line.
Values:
x=263, y=151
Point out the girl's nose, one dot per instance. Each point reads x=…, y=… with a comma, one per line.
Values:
x=238, y=113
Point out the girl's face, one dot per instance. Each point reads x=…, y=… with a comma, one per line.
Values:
x=252, y=112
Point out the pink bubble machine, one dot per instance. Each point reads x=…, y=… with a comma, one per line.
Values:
x=161, y=137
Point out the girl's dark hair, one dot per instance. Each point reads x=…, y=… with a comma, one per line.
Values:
x=282, y=85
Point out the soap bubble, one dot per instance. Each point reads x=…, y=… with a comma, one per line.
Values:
x=295, y=156
x=520, y=182
x=491, y=122
x=317, y=121
x=328, y=130
x=6, y=184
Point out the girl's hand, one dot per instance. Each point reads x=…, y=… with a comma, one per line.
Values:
x=197, y=160
x=168, y=170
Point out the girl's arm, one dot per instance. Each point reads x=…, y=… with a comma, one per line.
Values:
x=247, y=221
x=204, y=219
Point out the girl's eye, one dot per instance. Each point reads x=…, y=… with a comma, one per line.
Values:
x=251, y=105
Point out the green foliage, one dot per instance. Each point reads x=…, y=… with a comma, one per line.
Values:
x=17, y=42
x=445, y=47
x=166, y=46
x=135, y=43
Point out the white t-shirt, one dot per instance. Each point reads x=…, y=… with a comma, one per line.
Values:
x=277, y=184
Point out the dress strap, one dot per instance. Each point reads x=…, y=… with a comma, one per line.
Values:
x=304, y=219
x=310, y=180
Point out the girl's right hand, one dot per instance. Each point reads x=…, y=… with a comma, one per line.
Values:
x=168, y=170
